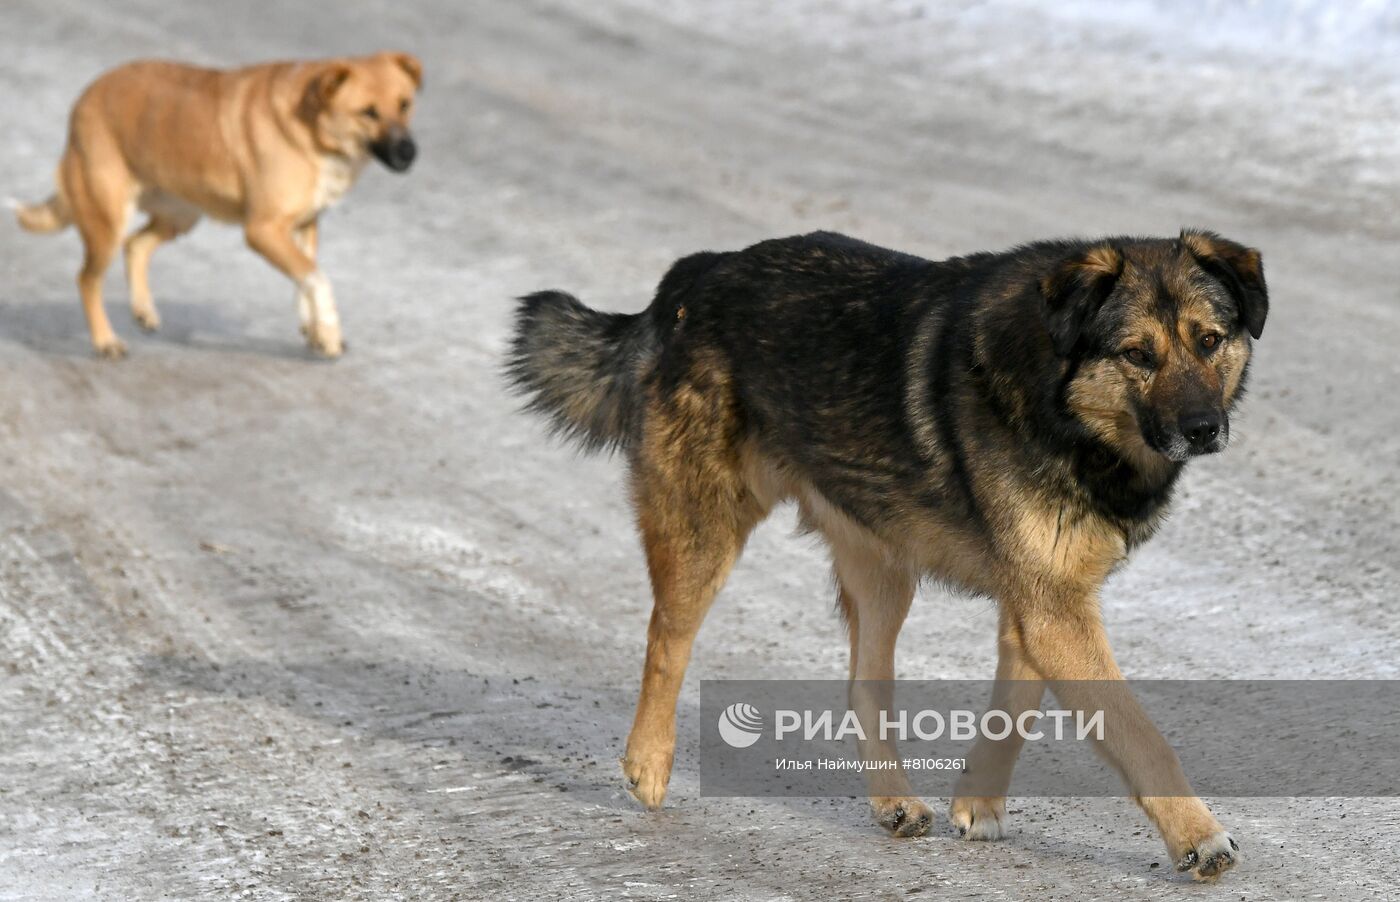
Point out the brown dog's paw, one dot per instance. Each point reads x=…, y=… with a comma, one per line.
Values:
x=325, y=343
x=146, y=318
x=978, y=818
x=112, y=349
x=902, y=816
x=1210, y=858
x=647, y=778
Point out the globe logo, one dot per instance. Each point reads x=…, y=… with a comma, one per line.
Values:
x=740, y=725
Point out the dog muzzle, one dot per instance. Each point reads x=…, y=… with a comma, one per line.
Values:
x=395, y=150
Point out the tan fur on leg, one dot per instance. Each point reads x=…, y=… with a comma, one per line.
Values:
x=978, y=810
x=694, y=513
x=878, y=587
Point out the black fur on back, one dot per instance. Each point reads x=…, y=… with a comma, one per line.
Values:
x=891, y=383
x=820, y=336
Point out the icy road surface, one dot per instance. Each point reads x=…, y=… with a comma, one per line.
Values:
x=277, y=628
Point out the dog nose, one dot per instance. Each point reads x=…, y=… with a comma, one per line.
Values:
x=395, y=149
x=404, y=152
x=1200, y=429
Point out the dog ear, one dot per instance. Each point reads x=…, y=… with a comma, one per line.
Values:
x=323, y=85
x=1075, y=290
x=410, y=64
x=1238, y=268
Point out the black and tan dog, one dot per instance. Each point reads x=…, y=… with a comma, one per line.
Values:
x=269, y=147
x=1009, y=423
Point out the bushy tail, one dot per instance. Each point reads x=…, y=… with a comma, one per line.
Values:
x=580, y=367
x=49, y=216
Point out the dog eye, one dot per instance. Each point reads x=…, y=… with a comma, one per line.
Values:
x=369, y=112
x=1209, y=341
x=1138, y=357
x=403, y=106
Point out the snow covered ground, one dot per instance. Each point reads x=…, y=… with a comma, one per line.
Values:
x=278, y=629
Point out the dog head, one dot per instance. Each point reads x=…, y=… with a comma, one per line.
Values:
x=360, y=106
x=1158, y=334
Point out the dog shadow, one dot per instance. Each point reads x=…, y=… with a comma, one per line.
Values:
x=565, y=739
x=562, y=736
x=57, y=328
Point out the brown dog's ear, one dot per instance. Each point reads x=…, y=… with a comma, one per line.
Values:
x=410, y=64
x=322, y=87
x=1239, y=269
x=1075, y=290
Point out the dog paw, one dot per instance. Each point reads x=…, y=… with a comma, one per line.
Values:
x=146, y=318
x=325, y=343
x=647, y=778
x=112, y=349
x=978, y=818
x=902, y=816
x=1210, y=858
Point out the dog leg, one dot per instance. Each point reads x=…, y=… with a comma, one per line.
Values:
x=273, y=239
x=879, y=590
x=694, y=513
x=850, y=613
x=139, y=248
x=307, y=238
x=978, y=810
x=98, y=195
x=325, y=338
x=1063, y=639
x=687, y=568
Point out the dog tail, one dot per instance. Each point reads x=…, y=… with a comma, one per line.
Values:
x=49, y=216
x=581, y=368
x=584, y=369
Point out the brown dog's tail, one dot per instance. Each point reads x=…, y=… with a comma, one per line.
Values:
x=49, y=216
x=581, y=367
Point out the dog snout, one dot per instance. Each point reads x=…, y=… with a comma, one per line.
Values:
x=396, y=149
x=405, y=151
x=1201, y=430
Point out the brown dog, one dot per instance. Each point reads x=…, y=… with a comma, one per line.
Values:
x=267, y=146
